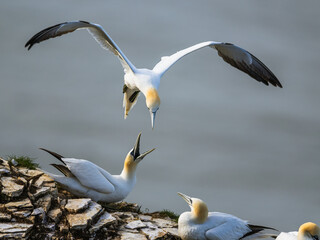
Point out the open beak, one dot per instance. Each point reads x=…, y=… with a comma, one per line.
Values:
x=186, y=198
x=136, y=150
x=153, y=118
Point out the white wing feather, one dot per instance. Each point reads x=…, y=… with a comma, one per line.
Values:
x=90, y=175
x=167, y=61
x=287, y=236
x=231, y=230
x=232, y=54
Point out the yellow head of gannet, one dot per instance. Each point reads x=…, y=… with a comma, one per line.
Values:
x=86, y=179
x=153, y=103
x=133, y=158
x=199, y=209
x=308, y=231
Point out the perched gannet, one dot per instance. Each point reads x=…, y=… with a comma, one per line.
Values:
x=307, y=231
x=203, y=225
x=85, y=179
x=147, y=81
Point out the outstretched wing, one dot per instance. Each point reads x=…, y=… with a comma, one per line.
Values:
x=232, y=54
x=94, y=29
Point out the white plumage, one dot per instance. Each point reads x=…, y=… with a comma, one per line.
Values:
x=203, y=225
x=147, y=81
x=85, y=179
x=307, y=231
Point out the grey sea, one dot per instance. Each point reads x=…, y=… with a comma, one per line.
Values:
x=244, y=148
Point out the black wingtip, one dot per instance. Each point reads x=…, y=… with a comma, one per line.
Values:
x=84, y=22
x=261, y=227
x=29, y=45
x=56, y=155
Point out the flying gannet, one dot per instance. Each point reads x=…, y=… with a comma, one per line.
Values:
x=85, y=179
x=147, y=81
x=203, y=225
x=307, y=231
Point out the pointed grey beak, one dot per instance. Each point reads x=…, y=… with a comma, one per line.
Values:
x=186, y=198
x=136, y=150
x=153, y=117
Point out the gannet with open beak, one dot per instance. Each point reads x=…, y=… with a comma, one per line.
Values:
x=307, y=231
x=85, y=179
x=203, y=225
x=147, y=81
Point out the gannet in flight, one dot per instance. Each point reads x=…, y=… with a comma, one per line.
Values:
x=203, y=225
x=307, y=231
x=147, y=81
x=85, y=179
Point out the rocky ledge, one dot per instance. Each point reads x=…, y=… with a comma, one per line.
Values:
x=32, y=208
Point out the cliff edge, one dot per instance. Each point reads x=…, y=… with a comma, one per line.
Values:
x=31, y=207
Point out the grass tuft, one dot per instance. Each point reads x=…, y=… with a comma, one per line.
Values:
x=24, y=161
x=167, y=213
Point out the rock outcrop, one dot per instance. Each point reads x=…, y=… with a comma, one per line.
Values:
x=32, y=208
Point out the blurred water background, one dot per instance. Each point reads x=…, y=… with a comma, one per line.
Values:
x=244, y=148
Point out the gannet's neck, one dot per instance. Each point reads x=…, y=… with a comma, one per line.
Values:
x=307, y=230
x=199, y=211
x=152, y=98
x=129, y=168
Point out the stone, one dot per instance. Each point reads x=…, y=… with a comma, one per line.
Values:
x=122, y=228
x=38, y=211
x=14, y=230
x=135, y=225
x=132, y=236
x=50, y=227
x=63, y=228
x=30, y=173
x=76, y=205
x=22, y=181
x=44, y=202
x=79, y=221
x=154, y=233
x=41, y=191
x=124, y=215
x=5, y=217
x=150, y=225
x=172, y=231
x=145, y=217
x=21, y=214
x=162, y=223
x=55, y=214
x=30, y=219
x=105, y=219
x=10, y=188
x=25, y=203
x=4, y=171
x=14, y=162
x=44, y=179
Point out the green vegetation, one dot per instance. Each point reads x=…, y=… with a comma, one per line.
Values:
x=167, y=213
x=24, y=161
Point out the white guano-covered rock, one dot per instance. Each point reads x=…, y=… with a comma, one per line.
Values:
x=154, y=233
x=76, y=205
x=80, y=221
x=14, y=230
x=10, y=187
x=135, y=225
x=131, y=236
x=104, y=220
